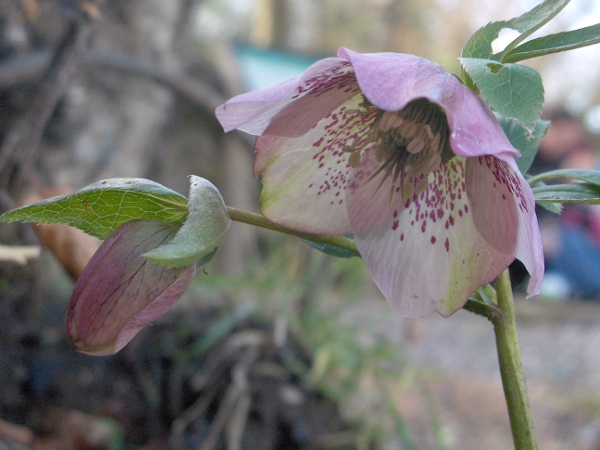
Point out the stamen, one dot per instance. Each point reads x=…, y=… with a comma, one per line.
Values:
x=415, y=146
x=411, y=145
x=354, y=159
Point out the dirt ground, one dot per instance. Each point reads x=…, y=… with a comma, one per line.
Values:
x=221, y=379
x=560, y=345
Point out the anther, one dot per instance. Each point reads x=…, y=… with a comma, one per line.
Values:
x=415, y=146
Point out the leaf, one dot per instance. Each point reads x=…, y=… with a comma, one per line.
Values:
x=512, y=90
x=203, y=232
x=524, y=140
x=330, y=249
x=590, y=176
x=102, y=207
x=555, y=208
x=586, y=193
x=72, y=247
x=480, y=44
x=554, y=43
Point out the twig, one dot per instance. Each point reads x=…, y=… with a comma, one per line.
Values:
x=23, y=140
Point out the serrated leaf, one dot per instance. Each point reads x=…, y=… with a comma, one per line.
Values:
x=585, y=193
x=554, y=43
x=524, y=140
x=330, y=249
x=102, y=207
x=203, y=232
x=512, y=90
x=480, y=44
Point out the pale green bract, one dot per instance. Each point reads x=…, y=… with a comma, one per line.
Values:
x=202, y=233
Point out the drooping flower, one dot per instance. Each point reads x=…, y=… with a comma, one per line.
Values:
x=396, y=151
x=120, y=291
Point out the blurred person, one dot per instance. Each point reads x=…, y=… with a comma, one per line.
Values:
x=571, y=240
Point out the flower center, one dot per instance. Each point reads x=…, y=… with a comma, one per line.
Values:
x=413, y=143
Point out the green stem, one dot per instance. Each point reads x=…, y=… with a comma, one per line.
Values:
x=259, y=220
x=511, y=368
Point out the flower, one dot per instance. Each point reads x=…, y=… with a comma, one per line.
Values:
x=396, y=151
x=120, y=291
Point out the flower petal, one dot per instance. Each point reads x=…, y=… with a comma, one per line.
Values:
x=391, y=80
x=304, y=178
x=120, y=292
x=493, y=181
x=427, y=254
x=254, y=111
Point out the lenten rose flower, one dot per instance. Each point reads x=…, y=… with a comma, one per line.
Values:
x=394, y=150
x=120, y=291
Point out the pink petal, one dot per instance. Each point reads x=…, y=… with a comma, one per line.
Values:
x=427, y=254
x=304, y=178
x=254, y=111
x=391, y=80
x=503, y=170
x=120, y=292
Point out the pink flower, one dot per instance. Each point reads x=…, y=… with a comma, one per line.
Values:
x=394, y=150
x=120, y=292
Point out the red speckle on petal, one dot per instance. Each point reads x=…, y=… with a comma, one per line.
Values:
x=447, y=245
x=401, y=237
x=433, y=239
x=424, y=226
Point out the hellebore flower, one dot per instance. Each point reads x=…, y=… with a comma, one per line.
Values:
x=394, y=150
x=120, y=292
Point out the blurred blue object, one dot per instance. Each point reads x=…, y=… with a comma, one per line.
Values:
x=262, y=68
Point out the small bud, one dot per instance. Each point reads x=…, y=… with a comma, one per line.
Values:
x=120, y=291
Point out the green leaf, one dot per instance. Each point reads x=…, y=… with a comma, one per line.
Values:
x=330, y=249
x=524, y=140
x=589, y=176
x=555, y=208
x=480, y=44
x=203, y=232
x=554, y=43
x=586, y=193
x=102, y=207
x=512, y=90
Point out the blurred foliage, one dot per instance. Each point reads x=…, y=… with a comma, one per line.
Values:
x=320, y=300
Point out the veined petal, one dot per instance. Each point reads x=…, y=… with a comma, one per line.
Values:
x=324, y=83
x=427, y=254
x=493, y=181
x=391, y=80
x=305, y=178
x=120, y=292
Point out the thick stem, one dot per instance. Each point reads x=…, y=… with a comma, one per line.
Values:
x=511, y=368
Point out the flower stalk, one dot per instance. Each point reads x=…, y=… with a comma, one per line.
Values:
x=511, y=368
x=260, y=221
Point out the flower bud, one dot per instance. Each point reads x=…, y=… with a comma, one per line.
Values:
x=120, y=291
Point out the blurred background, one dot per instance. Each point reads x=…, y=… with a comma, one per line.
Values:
x=276, y=346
